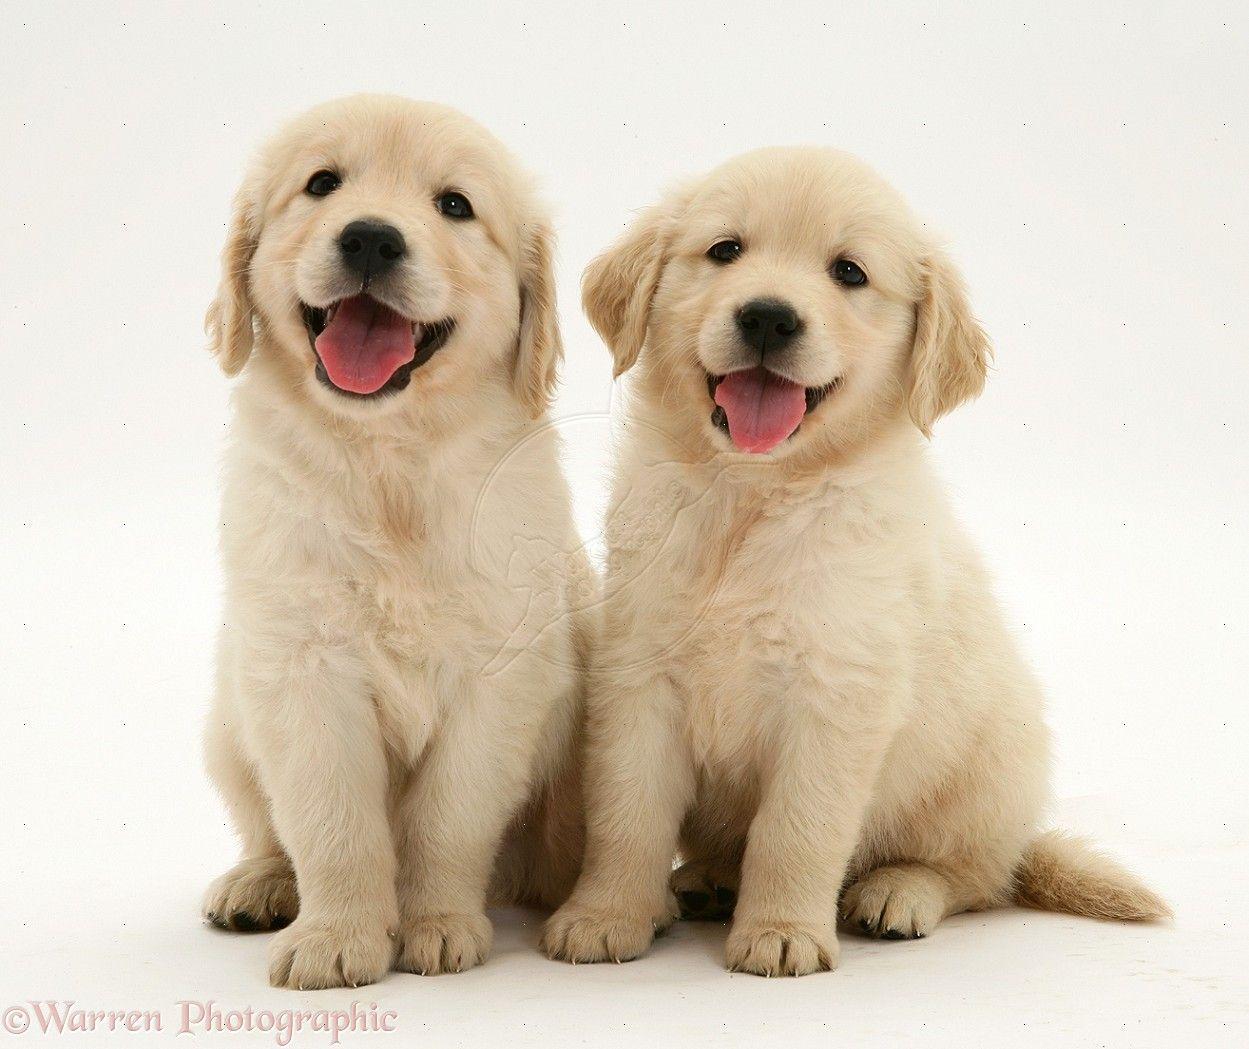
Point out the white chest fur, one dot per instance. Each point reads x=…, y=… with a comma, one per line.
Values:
x=753, y=598
x=412, y=564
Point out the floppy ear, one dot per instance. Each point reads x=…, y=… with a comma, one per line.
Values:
x=618, y=286
x=540, y=349
x=228, y=323
x=951, y=353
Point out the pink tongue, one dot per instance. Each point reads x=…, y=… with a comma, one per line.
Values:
x=364, y=344
x=763, y=409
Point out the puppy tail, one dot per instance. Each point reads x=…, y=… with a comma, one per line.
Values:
x=1060, y=872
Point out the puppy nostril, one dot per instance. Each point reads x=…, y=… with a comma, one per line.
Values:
x=352, y=245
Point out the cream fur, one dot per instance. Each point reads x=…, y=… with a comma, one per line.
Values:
x=805, y=684
x=392, y=728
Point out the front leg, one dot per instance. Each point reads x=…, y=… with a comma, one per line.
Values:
x=319, y=753
x=639, y=783
x=259, y=892
x=805, y=832
x=450, y=823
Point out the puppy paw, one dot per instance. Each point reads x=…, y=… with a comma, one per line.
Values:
x=704, y=894
x=312, y=955
x=780, y=949
x=581, y=934
x=432, y=944
x=895, y=903
x=257, y=895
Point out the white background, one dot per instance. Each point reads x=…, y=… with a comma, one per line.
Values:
x=1087, y=165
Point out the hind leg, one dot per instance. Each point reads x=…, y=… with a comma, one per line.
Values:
x=902, y=901
x=540, y=858
x=706, y=890
x=713, y=842
x=259, y=892
x=956, y=847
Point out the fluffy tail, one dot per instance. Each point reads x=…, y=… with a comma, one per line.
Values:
x=1059, y=872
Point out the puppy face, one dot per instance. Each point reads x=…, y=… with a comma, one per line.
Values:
x=389, y=252
x=789, y=301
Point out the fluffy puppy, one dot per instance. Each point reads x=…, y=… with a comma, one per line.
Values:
x=805, y=682
x=399, y=671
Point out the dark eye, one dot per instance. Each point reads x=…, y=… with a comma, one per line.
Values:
x=848, y=273
x=724, y=250
x=322, y=184
x=455, y=206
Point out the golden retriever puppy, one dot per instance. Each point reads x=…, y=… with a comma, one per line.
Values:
x=392, y=724
x=804, y=683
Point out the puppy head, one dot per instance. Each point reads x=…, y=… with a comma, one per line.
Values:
x=787, y=301
x=388, y=251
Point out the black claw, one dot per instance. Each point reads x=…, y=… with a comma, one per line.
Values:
x=693, y=902
x=244, y=922
x=895, y=934
x=866, y=926
x=726, y=899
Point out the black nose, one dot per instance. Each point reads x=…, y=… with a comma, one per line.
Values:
x=370, y=248
x=768, y=324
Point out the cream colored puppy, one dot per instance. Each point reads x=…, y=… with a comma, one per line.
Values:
x=805, y=680
x=389, y=702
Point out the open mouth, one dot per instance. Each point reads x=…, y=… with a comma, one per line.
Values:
x=363, y=348
x=759, y=409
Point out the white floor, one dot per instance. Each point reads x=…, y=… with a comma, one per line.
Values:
x=127, y=938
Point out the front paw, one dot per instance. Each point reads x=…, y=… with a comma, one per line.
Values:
x=780, y=949
x=432, y=944
x=310, y=955
x=582, y=934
